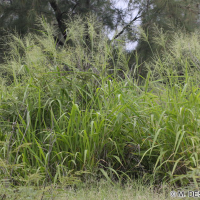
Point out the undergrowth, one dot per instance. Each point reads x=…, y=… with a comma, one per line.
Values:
x=72, y=112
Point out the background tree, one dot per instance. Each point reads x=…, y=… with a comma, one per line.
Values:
x=167, y=15
x=156, y=17
x=21, y=15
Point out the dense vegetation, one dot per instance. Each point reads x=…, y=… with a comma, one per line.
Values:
x=69, y=113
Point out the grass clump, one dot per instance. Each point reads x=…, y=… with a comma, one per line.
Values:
x=68, y=113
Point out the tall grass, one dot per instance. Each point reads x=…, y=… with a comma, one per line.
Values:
x=68, y=111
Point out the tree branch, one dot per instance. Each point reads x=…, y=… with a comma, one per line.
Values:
x=74, y=7
x=71, y=10
x=125, y=27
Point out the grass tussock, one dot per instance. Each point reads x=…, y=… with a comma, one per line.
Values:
x=68, y=113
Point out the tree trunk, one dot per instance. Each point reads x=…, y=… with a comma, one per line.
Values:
x=59, y=18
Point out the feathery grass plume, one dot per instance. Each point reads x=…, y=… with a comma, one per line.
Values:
x=180, y=57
